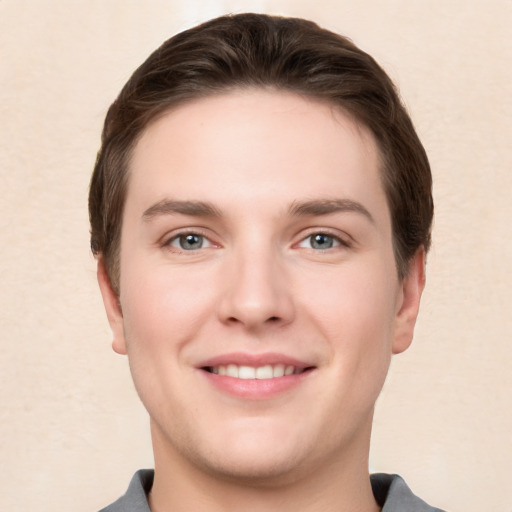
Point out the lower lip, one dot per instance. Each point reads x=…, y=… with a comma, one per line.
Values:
x=256, y=389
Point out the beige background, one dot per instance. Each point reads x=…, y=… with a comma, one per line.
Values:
x=72, y=429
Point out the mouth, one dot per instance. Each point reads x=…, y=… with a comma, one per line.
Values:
x=256, y=376
x=265, y=372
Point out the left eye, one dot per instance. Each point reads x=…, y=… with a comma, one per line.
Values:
x=189, y=242
x=320, y=241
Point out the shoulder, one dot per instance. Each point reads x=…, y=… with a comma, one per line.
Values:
x=394, y=495
x=391, y=492
x=135, y=498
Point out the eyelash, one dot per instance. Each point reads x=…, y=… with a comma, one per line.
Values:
x=337, y=241
x=168, y=243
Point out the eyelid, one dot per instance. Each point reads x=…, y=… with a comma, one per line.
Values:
x=204, y=245
x=342, y=239
x=168, y=238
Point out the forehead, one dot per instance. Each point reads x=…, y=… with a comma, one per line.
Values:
x=254, y=145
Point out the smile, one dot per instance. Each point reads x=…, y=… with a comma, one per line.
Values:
x=249, y=372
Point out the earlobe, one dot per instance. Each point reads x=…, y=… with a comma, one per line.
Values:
x=412, y=288
x=112, y=308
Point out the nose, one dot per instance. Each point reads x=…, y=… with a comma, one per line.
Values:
x=256, y=291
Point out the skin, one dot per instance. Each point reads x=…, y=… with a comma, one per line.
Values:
x=274, y=169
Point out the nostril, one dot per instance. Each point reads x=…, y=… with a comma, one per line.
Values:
x=273, y=319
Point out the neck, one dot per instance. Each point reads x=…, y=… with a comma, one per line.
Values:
x=341, y=484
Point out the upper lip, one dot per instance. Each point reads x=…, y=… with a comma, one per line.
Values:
x=254, y=360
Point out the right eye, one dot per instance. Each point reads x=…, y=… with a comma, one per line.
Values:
x=321, y=241
x=189, y=242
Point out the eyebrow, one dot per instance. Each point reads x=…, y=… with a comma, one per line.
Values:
x=328, y=206
x=313, y=207
x=170, y=207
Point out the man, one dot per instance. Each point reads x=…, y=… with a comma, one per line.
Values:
x=261, y=210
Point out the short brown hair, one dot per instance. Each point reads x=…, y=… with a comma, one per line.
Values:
x=256, y=50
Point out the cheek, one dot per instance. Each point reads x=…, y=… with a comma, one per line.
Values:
x=161, y=309
x=355, y=313
x=162, y=314
x=355, y=303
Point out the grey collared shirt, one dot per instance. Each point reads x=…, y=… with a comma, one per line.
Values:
x=390, y=491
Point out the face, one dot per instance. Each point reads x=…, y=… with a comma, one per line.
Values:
x=259, y=300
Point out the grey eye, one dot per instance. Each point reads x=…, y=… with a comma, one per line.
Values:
x=321, y=241
x=188, y=242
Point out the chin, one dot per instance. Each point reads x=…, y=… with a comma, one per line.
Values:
x=248, y=455
x=255, y=471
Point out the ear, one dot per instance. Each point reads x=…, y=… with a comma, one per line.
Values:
x=112, y=307
x=408, y=306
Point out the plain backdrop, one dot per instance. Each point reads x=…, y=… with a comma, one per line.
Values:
x=72, y=430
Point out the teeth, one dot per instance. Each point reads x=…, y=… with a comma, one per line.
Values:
x=232, y=370
x=264, y=372
x=279, y=370
x=249, y=372
x=246, y=372
x=289, y=370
